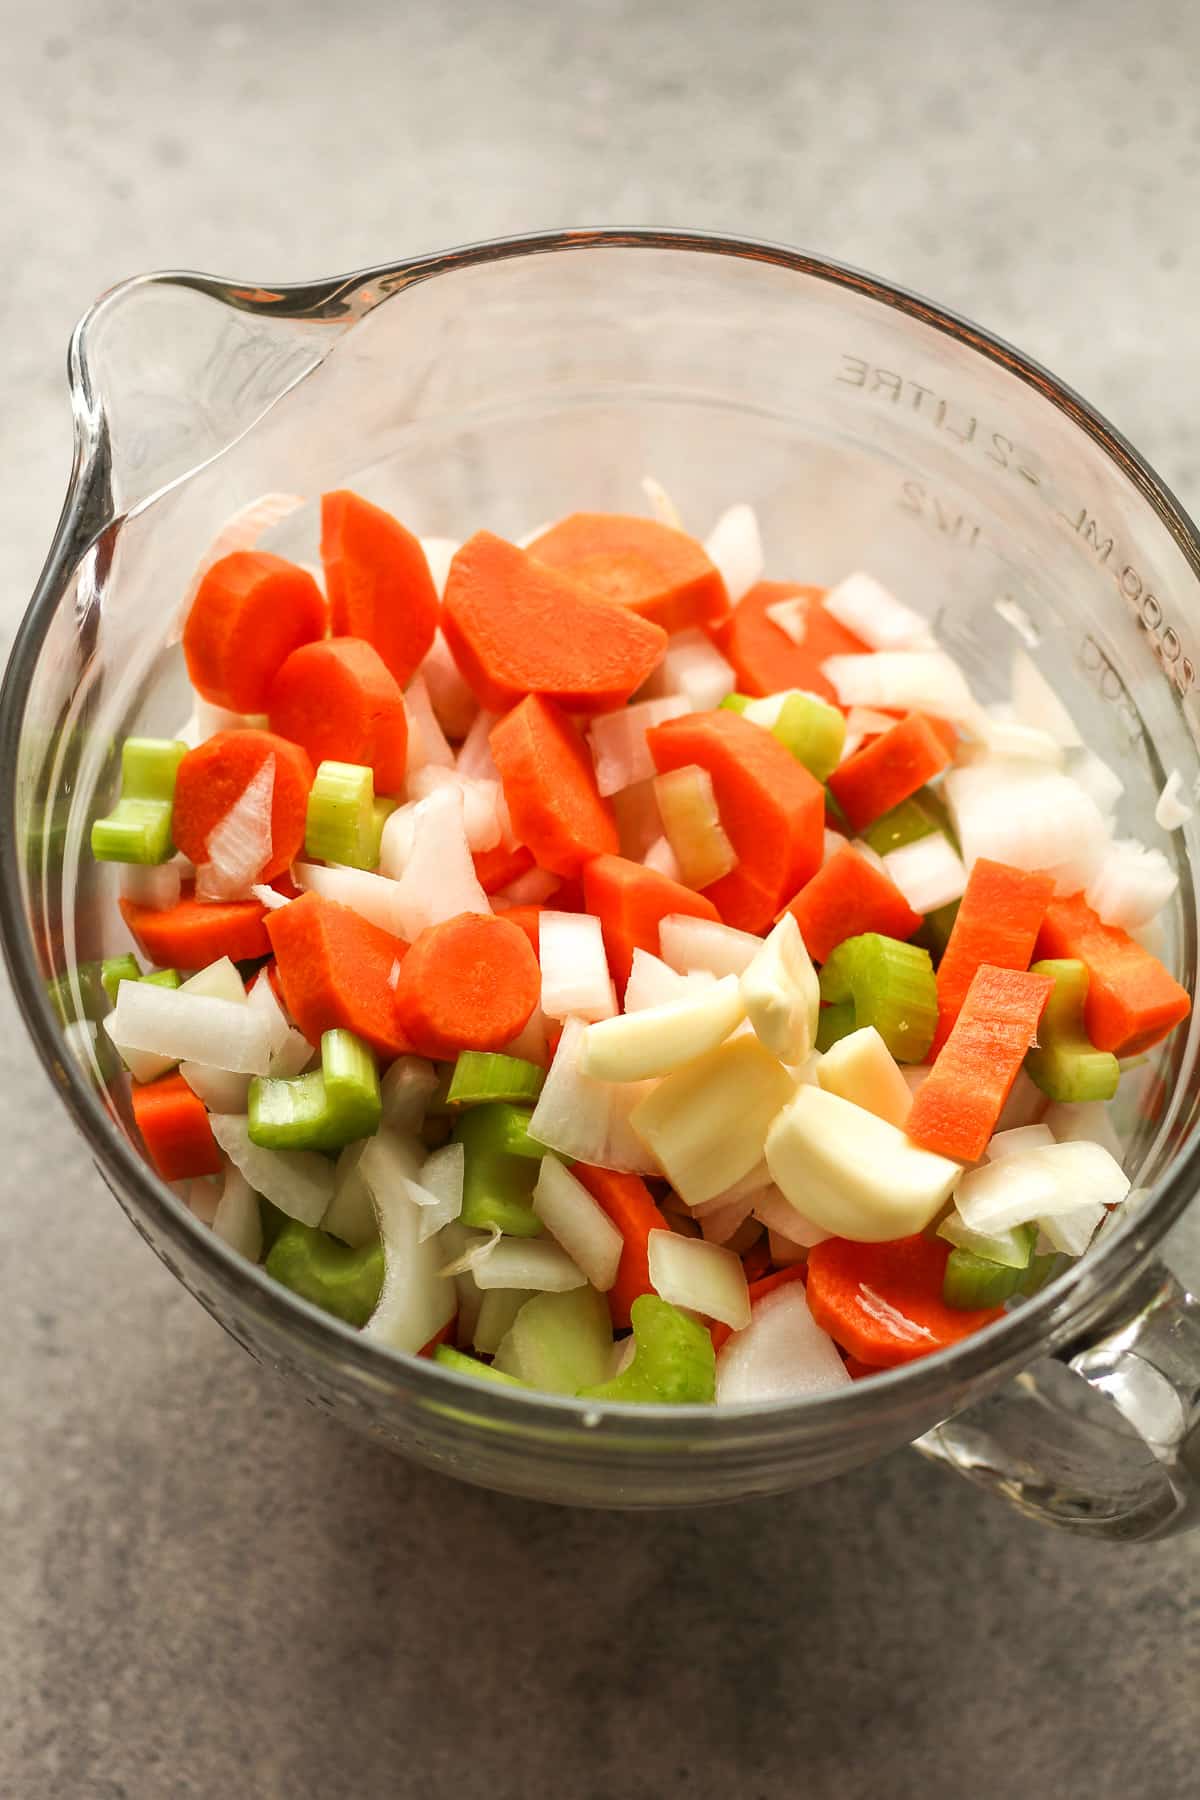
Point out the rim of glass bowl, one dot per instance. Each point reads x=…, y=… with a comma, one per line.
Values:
x=1039, y=1323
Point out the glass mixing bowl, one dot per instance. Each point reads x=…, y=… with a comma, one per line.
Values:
x=502, y=385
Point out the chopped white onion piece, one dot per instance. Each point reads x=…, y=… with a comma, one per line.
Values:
x=372, y=897
x=426, y=739
x=473, y=1250
x=188, y=1027
x=781, y=1355
x=784, y=1253
x=482, y=812
x=833, y=842
x=639, y=822
x=781, y=993
x=299, y=1182
x=1014, y=614
x=903, y=681
x=705, y=1278
x=529, y=889
x=661, y=503
x=778, y=1214
x=585, y=1119
x=157, y=885
x=498, y=1308
x=439, y=880
x=241, y=531
x=475, y=759
x=719, y=1223
x=578, y=1223
x=1039, y=1184
x=203, y=1198
x=1025, y=1104
x=1073, y=1230
x=221, y=1091
x=873, y=613
x=351, y=1215
x=454, y=705
x=694, y=668
x=1171, y=812
x=269, y=897
x=662, y=859
x=416, y=1300
x=861, y=846
x=1097, y=779
x=575, y=978
x=657, y=1039
x=688, y=944
x=651, y=983
x=1131, y=885
x=791, y=616
x=1036, y=703
x=439, y=554
x=1009, y=737
x=405, y=1089
x=238, y=847
x=1016, y=1139
x=1030, y=816
x=862, y=1070
x=929, y=872
x=237, y=1218
x=735, y=545
x=1084, y=1121
x=618, y=741
x=439, y=1191
x=531, y=1042
x=534, y=1264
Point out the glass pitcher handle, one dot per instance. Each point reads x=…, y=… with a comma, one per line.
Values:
x=1104, y=1438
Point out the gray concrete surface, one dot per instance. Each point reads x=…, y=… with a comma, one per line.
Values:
x=210, y=1591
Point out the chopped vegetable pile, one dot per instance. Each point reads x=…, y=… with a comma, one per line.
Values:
x=606, y=971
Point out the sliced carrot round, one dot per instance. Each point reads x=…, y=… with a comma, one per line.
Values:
x=378, y=581
x=550, y=787
x=516, y=627
x=250, y=612
x=340, y=701
x=470, y=983
x=882, y=1303
x=336, y=970
x=656, y=571
x=763, y=655
x=193, y=933
x=215, y=775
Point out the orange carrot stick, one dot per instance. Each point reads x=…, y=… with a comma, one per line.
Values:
x=771, y=808
x=882, y=1303
x=335, y=969
x=957, y=1105
x=497, y=868
x=378, y=582
x=766, y=1284
x=469, y=983
x=215, y=775
x=631, y=902
x=175, y=1129
x=526, y=919
x=887, y=770
x=250, y=612
x=763, y=655
x=629, y=1204
x=550, y=785
x=340, y=702
x=847, y=896
x=997, y=922
x=1132, y=1001
x=517, y=627
x=663, y=574
x=193, y=933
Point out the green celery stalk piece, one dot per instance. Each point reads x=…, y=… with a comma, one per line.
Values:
x=484, y=1075
x=90, y=1002
x=972, y=1281
x=462, y=1364
x=273, y=1220
x=1012, y=1249
x=164, y=978
x=892, y=987
x=673, y=1362
x=116, y=969
x=1066, y=1065
x=935, y=929
x=559, y=1342
x=833, y=1024
x=351, y=1078
x=813, y=731
x=905, y=824
x=138, y=830
x=324, y=1109
x=497, y=1184
x=735, y=702
x=1041, y=1270
x=149, y=767
x=340, y=825
x=344, y=1282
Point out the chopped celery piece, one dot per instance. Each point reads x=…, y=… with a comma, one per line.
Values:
x=905, y=824
x=1012, y=1248
x=341, y=826
x=833, y=1024
x=971, y=1281
x=559, y=1342
x=116, y=969
x=497, y=1184
x=138, y=830
x=934, y=933
x=462, y=1364
x=481, y=1075
x=323, y=1110
x=1066, y=1065
x=341, y=1281
x=168, y=978
x=736, y=702
x=273, y=1220
x=892, y=987
x=813, y=731
x=673, y=1362
x=691, y=822
x=1041, y=1269
x=87, y=1003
